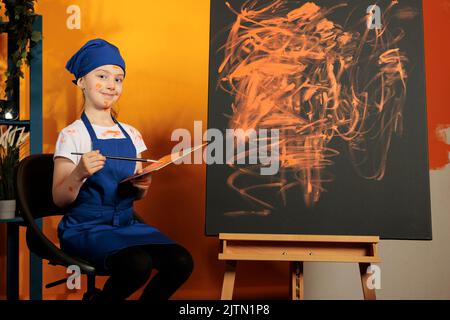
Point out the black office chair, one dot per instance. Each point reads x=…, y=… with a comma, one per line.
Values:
x=35, y=200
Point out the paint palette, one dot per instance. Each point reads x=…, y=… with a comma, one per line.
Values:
x=163, y=162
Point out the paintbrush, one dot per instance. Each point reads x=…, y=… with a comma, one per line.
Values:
x=120, y=158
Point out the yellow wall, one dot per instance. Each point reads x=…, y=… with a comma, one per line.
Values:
x=165, y=46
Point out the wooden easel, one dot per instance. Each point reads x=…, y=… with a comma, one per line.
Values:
x=296, y=249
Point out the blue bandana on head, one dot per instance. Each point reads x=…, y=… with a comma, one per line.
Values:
x=93, y=54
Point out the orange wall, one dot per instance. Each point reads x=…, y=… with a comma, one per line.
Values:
x=165, y=46
x=437, y=48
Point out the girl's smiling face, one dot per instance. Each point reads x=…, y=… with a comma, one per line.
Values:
x=102, y=86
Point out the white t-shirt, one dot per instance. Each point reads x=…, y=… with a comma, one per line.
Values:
x=75, y=138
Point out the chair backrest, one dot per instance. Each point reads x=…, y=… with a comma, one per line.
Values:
x=34, y=187
x=35, y=200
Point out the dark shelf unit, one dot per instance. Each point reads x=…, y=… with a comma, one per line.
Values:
x=34, y=125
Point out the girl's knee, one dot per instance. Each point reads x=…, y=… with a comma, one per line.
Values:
x=183, y=261
x=132, y=261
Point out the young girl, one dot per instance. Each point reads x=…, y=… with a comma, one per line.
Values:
x=99, y=225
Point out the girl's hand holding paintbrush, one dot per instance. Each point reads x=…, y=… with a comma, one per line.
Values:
x=93, y=161
x=90, y=163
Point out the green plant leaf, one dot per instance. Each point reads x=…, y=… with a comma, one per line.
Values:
x=36, y=36
x=20, y=30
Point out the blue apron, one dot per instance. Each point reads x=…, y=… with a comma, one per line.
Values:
x=101, y=220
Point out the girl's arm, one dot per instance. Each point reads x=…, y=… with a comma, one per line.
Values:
x=143, y=184
x=68, y=177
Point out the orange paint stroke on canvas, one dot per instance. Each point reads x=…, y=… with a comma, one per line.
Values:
x=299, y=72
